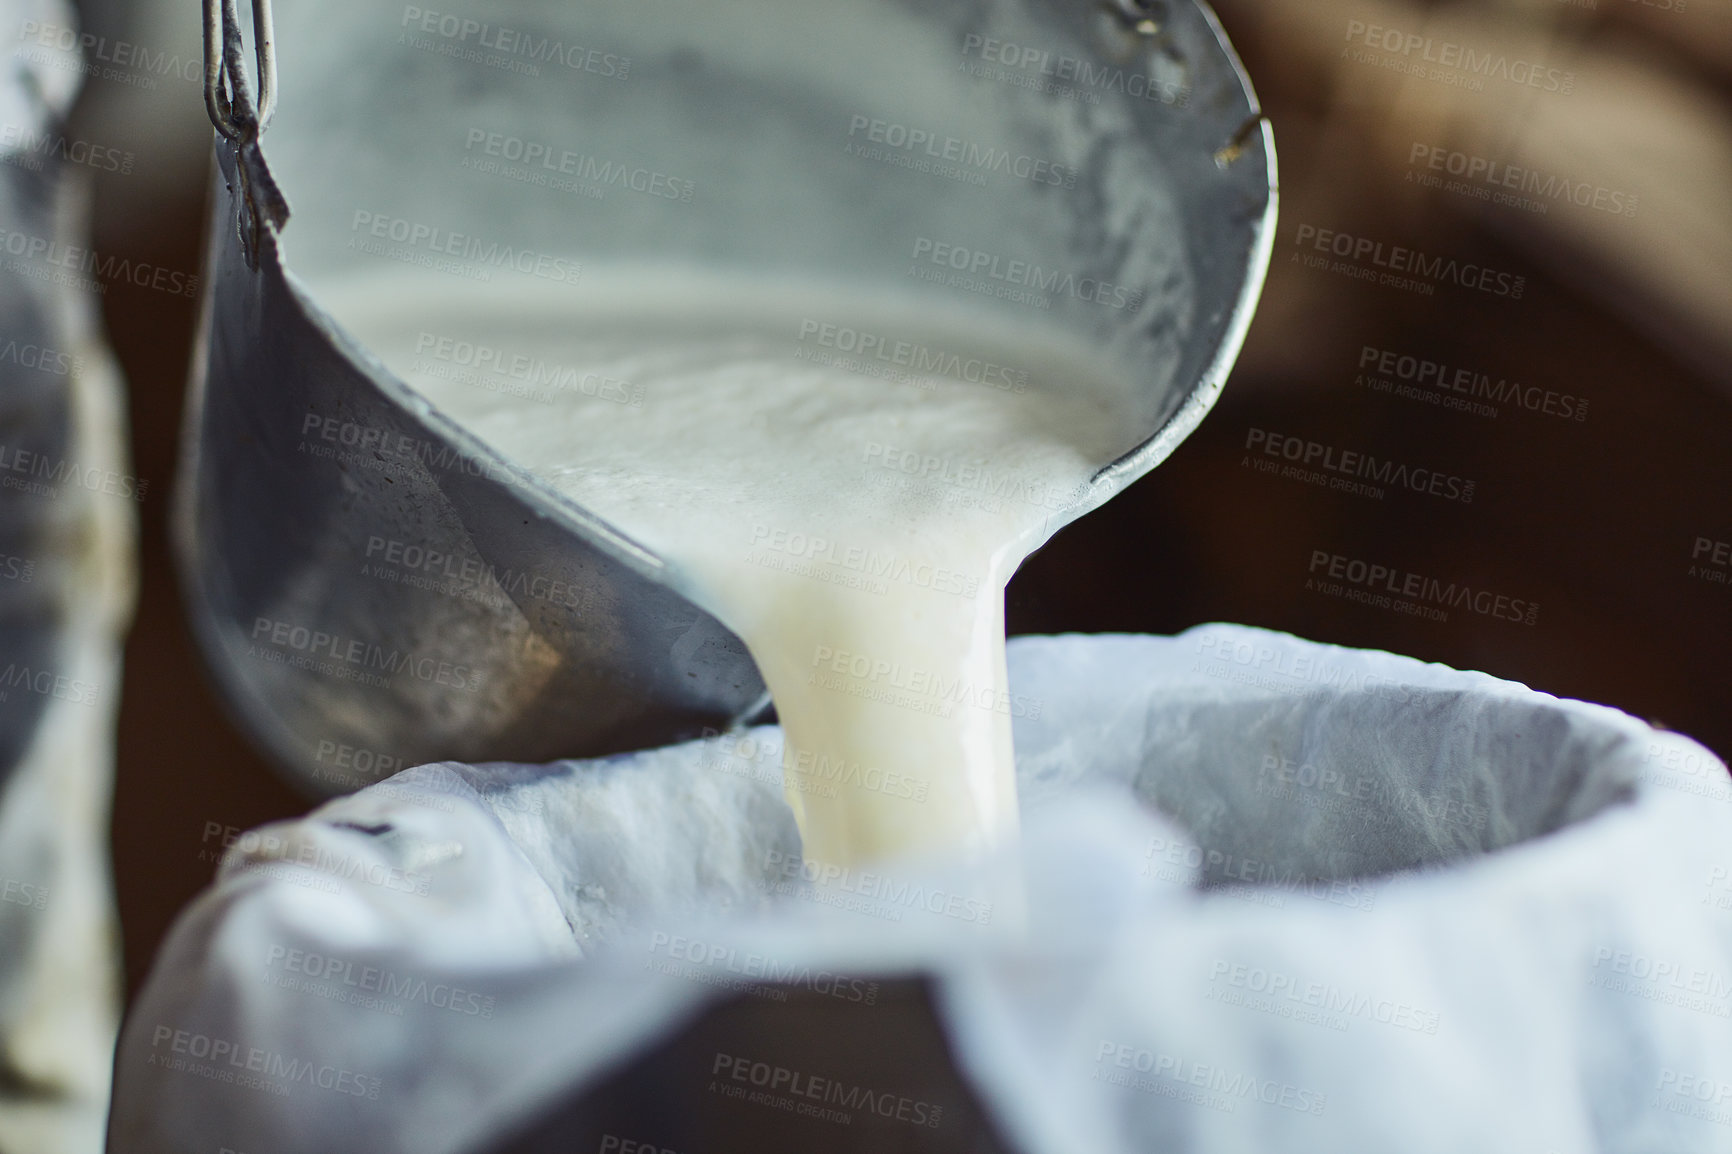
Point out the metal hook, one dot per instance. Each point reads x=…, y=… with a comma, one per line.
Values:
x=1235, y=146
x=228, y=98
x=227, y=95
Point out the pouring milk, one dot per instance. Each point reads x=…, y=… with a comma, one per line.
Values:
x=846, y=481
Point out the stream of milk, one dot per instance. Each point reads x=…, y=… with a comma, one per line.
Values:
x=846, y=481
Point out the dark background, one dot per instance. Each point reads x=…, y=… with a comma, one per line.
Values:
x=1593, y=520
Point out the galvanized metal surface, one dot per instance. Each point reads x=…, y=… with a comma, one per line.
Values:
x=303, y=452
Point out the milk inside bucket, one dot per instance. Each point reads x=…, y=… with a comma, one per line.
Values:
x=575, y=377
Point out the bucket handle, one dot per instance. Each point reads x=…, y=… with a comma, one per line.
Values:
x=227, y=96
x=239, y=119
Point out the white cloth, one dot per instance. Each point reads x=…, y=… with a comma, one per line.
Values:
x=1368, y=904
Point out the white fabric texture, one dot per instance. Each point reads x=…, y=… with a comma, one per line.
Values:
x=1365, y=904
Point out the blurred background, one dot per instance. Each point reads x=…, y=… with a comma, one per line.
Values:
x=1580, y=151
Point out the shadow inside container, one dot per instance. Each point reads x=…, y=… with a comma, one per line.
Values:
x=1330, y=786
x=809, y=1073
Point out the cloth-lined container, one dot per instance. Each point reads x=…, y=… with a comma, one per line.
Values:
x=1279, y=896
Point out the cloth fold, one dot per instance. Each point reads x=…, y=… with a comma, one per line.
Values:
x=1273, y=895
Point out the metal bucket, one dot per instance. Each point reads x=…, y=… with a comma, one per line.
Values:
x=374, y=587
